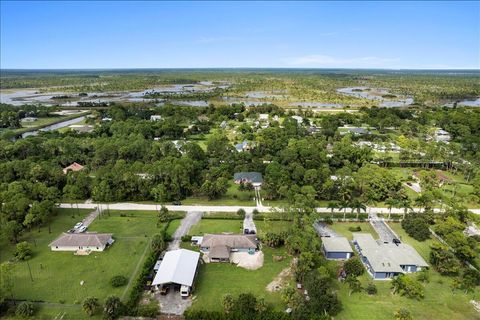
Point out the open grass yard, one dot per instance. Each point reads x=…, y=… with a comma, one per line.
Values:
x=440, y=301
x=217, y=279
x=342, y=228
x=57, y=275
x=216, y=226
x=266, y=226
x=233, y=197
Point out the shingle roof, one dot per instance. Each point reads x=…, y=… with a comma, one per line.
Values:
x=178, y=266
x=229, y=240
x=254, y=177
x=219, y=252
x=81, y=240
x=387, y=257
x=336, y=244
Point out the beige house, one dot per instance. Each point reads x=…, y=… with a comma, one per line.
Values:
x=217, y=247
x=82, y=242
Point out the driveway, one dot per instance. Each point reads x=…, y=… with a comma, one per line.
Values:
x=248, y=222
x=191, y=218
x=89, y=219
x=324, y=230
x=385, y=233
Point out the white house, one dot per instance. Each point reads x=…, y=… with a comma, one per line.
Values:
x=155, y=117
x=82, y=242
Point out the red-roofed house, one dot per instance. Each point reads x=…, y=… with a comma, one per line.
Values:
x=73, y=167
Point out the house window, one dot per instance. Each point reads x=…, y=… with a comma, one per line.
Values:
x=56, y=247
x=97, y=248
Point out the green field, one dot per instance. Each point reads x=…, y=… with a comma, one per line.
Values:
x=440, y=301
x=342, y=228
x=216, y=226
x=57, y=275
x=217, y=279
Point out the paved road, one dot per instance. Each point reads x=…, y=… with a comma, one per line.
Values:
x=191, y=218
x=153, y=207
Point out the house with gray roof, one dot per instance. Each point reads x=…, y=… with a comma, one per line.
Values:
x=336, y=248
x=384, y=261
x=255, y=178
x=82, y=242
x=217, y=247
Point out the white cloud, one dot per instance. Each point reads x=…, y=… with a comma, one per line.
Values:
x=320, y=60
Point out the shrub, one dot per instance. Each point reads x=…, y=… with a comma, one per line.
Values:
x=416, y=226
x=158, y=242
x=355, y=229
x=118, y=281
x=150, y=310
x=112, y=308
x=23, y=251
x=241, y=213
x=408, y=286
x=402, y=314
x=90, y=306
x=371, y=289
x=274, y=240
x=25, y=309
x=353, y=267
x=186, y=238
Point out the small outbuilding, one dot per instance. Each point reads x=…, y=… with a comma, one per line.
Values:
x=336, y=248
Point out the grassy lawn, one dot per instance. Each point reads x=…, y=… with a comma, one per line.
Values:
x=217, y=279
x=267, y=226
x=439, y=302
x=233, y=197
x=342, y=228
x=57, y=275
x=216, y=226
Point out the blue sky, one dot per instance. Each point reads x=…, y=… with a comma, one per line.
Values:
x=235, y=34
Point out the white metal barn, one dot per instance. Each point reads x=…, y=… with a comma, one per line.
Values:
x=178, y=267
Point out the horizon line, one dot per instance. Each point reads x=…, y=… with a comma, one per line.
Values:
x=237, y=68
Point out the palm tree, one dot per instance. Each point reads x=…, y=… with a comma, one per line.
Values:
x=406, y=205
x=357, y=206
x=390, y=202
x=332, y=206
x=343, y=205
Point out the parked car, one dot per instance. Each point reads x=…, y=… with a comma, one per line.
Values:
x=82, y=229
x=164, y=290
x=184, y=291
x=396, y=241
x=78, y=225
